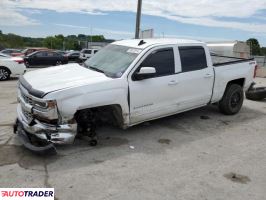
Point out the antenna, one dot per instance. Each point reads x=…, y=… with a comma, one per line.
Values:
x=141, y=42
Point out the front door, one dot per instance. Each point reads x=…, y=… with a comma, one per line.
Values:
x=153, y=97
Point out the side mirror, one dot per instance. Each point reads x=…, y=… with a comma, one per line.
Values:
x=144, y=73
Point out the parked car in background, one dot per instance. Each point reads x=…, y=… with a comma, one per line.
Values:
x=10, y=51
x=11, y=66
x=60, y=52
x=73, y=56
x=87, y=53
x=42, y=58
x=28, y=51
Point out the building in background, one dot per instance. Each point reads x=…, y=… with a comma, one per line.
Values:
x=149, y=33
x=232, y=49
x=98, y=45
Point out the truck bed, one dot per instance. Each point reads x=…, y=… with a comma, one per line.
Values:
x=219, y=60
x=231, y=68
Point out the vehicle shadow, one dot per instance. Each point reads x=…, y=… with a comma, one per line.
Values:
x=153, y=137
x=14, y=78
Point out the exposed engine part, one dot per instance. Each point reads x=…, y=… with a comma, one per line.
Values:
x=86, y=120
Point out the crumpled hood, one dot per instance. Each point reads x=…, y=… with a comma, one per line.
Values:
x=61, y=77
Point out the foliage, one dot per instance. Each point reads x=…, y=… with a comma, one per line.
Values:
x=263, y=51
x=70, y=42
x=255, y=46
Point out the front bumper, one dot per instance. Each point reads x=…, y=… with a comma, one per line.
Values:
x=26, y=140
x=46, y=134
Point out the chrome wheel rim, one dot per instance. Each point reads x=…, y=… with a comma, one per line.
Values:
x=3, y=74
x=58, y=63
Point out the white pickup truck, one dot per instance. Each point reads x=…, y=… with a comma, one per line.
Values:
x=126, y=83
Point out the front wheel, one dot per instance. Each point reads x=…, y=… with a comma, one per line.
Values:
x=58, y=62
x=27, y=64
x=232, y=100
x=4, y=74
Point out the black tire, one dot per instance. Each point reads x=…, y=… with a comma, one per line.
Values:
x=256, y=94
x=93, y=143
x=4, y=74
x=232, y=100
x=27, y=64
x=59, y=62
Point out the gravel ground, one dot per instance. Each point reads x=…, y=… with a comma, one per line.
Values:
x=200, y=154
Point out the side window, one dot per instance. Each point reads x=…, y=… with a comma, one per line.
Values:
x=87, y=51
x=41, y=54
x=95, y=51
x=50, y=54
x=192, y=58
x=162, y=60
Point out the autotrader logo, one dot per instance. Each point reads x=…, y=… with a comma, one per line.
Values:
x=27, y=193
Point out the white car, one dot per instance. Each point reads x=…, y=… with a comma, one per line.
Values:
x=87, y=53
x=127, y=83
x=11, y=66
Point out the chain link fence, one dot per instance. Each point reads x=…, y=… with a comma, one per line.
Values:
x=261, y=61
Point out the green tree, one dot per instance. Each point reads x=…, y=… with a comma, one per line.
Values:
x=263, y=51
x=255, y=46
x=74, y=42
x=54, y=42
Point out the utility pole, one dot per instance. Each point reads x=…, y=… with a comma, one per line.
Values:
x=138, y=19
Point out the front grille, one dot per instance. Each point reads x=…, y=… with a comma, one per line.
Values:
x=27, y=99
x=28, y=115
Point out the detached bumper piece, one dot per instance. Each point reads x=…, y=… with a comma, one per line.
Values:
x=32, y=143
x=256, y=93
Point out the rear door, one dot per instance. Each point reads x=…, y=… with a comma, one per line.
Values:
x=52, y=58
x=196, y=78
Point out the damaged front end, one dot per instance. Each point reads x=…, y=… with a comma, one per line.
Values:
x=38, y=124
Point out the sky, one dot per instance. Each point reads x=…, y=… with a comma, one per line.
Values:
x=206, y=20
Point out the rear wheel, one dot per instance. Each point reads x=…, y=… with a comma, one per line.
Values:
x=232, y=100
x=4, y=74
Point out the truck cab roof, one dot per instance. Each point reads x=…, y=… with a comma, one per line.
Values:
x=143, y=43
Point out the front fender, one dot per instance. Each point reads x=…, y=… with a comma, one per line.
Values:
x=71, y=100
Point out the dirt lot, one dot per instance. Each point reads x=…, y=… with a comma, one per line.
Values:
x=199, y=155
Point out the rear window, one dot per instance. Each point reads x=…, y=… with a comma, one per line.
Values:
x=192, y=58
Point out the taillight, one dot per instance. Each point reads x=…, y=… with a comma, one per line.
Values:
x=255, y=71
x=19, y=61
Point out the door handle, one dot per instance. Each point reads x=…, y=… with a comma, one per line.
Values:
x=173, y=82
x=208, y=76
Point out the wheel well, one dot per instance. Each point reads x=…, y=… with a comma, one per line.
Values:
x=3, y=67
x=239, y=81
x=110, y=114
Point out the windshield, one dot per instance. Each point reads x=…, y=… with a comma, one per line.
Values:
x=112, y=60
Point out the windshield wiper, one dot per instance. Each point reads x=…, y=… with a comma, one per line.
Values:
x=96, y=69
